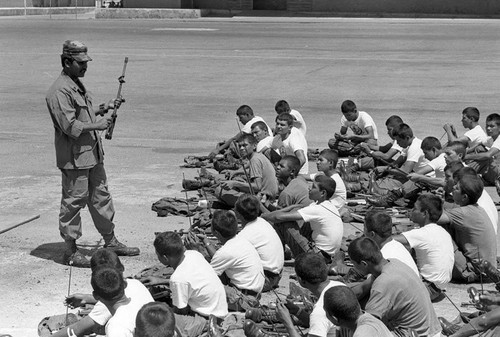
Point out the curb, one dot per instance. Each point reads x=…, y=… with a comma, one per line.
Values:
x=45, y=11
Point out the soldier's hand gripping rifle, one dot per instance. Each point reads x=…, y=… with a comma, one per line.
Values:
x=121, y=79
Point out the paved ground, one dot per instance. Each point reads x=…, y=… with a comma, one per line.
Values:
x=185, y=80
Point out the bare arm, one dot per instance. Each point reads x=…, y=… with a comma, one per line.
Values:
x=482, y=155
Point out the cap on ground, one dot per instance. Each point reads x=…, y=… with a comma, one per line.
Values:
x=77, y=50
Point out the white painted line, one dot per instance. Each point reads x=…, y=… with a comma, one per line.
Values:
x=187, y=29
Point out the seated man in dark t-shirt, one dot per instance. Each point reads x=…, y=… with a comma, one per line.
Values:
x=471, y=230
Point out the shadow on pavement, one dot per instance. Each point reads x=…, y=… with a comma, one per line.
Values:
x=54, y=251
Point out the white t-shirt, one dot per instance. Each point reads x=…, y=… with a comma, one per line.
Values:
x=476, y=136
x=489, y=207
x=122, y=323
x=340, y=196
x=247, y=128
x=239, y=259
x=300, y=124
x=358, y=126
x=326, y=224
x=415, y=154
x=490, y=143
x=294, y=142
x=438, y=164
x=266, y=142
x=398, y=148
x=267, y=242
x=319, y=324
x=395, y=250
x=434, y=250
x=195, y=283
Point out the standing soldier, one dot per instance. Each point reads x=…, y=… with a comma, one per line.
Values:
x=80, y=156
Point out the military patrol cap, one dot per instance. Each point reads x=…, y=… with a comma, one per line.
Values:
x=76, y=49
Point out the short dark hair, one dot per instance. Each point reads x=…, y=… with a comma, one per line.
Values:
x=453, y=167
x=311, y=267
x=225, y=223
x=472, y=186
x=432, y=204
x=429, y=143
x=347, y=106
x=107, y=257
x=341, y=302
x=472, y=113
x=364, y=249
x=155, y=319
x=248, y=206
x=464, y=171
x=244, y=110
x=330, y=155
x=457, y=146
x=293, y=162
x=285, y=117
x=169, y=244
x=108, y=283
x=326, y=184
x=394, y=120
x=248, y=137
x=282, y=106
x=402, y=131
x=260, y=124
x=379, y=222
x=65, y=58
x=493, y=118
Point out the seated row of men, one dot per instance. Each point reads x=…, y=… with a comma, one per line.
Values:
x=396, y=299
x=470, y=215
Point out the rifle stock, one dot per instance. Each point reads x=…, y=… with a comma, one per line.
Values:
x=121, y=79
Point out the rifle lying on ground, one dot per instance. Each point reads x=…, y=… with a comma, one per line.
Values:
x=121, y=79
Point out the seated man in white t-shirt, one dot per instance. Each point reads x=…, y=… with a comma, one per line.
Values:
x=197, y=291
x=487, y=164
x=99, y=315
x=263, y=237
x=327, y=165
x=261, y=132
x=247, y=118
x=378, y=227
x=298, y=121
x=389, y=152
x=362, y=125
x=109, y=288
x=472, y=138
x=290, y=141
x=432, y=244
x=325, y=230
x=312, y=274
x=412, y=159
x=236, y=262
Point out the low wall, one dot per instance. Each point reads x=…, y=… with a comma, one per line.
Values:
x=15, y=3
x=63, y=3
x=18, y=11
x=439, y=7
x=152, y=13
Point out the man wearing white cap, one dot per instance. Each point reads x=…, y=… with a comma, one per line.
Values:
x=79, y=156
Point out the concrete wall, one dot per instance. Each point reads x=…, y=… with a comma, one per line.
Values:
x=63, y=3
x=15, y=3
x=453, y=7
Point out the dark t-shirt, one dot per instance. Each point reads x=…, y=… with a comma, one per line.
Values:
x=399, y=298
x=471, y=229
x=295, y=193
